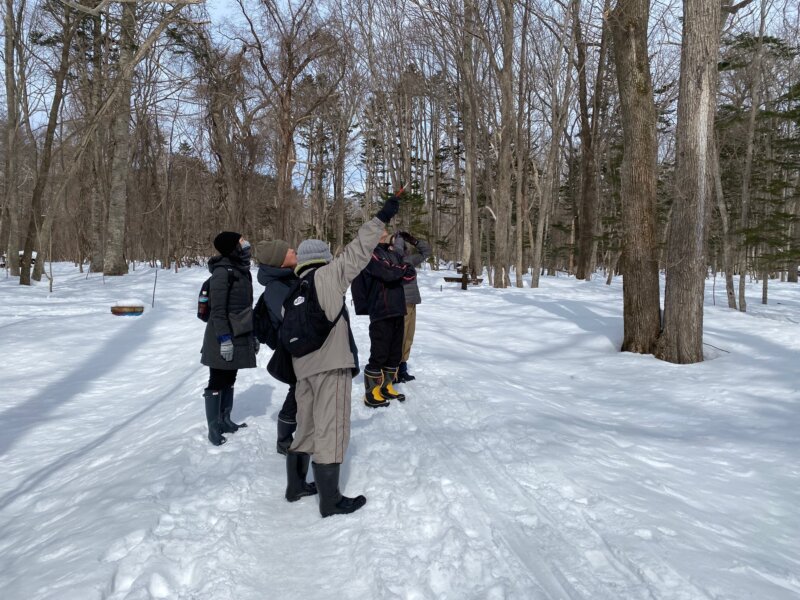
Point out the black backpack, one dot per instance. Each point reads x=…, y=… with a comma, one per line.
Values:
x=202, y=299
x=305, y=326
x=361, y=288
x=263, y=327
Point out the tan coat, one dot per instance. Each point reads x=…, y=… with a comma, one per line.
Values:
x=331, y=282
x=324, y=377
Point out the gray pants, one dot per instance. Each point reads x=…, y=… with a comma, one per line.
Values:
x=323, y=415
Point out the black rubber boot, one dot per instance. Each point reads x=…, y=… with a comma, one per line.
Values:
x=286, y=430
x=228, y=426
x=403, y=376
x=331, y=501
x=387, y=389
x=296, y=471
x=213, y=399
x=373, y=380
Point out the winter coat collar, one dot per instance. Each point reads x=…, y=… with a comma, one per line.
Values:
x=268, y=274
x=227, y=261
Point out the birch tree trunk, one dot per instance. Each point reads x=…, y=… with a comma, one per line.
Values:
x=640, y=286
x=682, y=338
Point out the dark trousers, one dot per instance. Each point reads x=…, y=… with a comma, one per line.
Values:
x=219, y=379
x=288, y=412
x=386, y=343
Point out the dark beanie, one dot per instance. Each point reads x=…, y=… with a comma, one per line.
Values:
x=272, y=253
x=226, y=242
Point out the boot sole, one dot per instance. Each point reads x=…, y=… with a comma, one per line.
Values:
x=381, y=405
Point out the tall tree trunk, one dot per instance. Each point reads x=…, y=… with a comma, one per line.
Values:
x=559, y=107
x=11, y=201
x=642, y=314
x=682, y=338
x=794, y=240
x=114, y=262
x=43, y=168
x=471, y=252
x=727, y=242
x=747, y=172
x=94, y=153
x=504, y=160
x=342, y=135
x=588, y=135
x=522, y=154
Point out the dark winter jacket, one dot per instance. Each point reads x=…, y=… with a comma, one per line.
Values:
x=385, y=276
x=222, y=306
x=414, y=252
x=276, y=281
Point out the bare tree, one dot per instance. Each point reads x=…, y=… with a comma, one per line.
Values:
x=45, y=157
x=642, y=314
x=303, y=39
x=682, y=338
x=12, y=32
x=589, y=133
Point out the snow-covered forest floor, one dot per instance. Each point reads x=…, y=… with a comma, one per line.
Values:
x=531, y=460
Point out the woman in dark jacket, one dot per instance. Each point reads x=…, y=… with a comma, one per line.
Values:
x=229, y=343
x=276, y=263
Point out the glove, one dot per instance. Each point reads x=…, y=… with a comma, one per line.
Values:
x=226, y=348
x=256, y=345
x=390, y=208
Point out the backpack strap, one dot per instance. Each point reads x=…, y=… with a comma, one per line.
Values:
x=309, y=281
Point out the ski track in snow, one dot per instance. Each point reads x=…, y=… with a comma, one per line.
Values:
x=530, y=461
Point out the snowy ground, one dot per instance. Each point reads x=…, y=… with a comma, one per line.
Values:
x=532, y=460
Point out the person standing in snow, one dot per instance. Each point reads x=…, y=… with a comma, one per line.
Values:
x=228, y=343
x=276, y=273
x=324, y=376
x=414, y=252
x=384, y=280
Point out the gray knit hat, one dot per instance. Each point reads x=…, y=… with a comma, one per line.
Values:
x=271, y=253
x=312, y=251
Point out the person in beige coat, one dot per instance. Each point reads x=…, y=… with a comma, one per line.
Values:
x=324, y=377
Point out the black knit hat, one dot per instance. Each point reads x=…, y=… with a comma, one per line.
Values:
x=226, y=242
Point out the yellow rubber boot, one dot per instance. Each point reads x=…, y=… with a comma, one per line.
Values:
x=387, y=389
x=374, y=397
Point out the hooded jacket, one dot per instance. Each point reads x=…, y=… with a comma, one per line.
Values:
x=385, y=277
x=277, y=282
x=221, y=305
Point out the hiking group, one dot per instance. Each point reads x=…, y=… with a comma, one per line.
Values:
x=302, y=315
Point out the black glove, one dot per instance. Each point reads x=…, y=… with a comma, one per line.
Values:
x=409, y=238
x=390, y=208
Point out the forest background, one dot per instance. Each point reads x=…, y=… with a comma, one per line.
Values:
x=544, y=136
